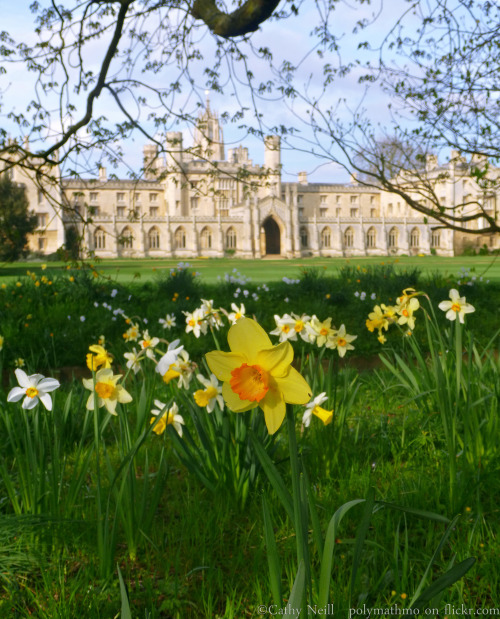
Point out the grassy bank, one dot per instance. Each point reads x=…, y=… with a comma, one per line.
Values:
x=260, y=271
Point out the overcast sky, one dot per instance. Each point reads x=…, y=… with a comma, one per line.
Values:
x=289, y=39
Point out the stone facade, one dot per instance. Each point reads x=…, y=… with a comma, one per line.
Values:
x=197, y=201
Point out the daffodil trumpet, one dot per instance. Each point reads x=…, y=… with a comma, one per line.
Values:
x=256, y=373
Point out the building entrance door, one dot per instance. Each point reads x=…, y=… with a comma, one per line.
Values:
x=272, y=232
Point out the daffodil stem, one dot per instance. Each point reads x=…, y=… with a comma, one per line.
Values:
x=100, y=532
x=216, y=341
x=300, y=524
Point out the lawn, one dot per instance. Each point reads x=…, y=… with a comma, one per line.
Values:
x=268, y=270
x=139, y=493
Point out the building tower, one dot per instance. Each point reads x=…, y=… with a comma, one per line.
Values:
x=208, y=138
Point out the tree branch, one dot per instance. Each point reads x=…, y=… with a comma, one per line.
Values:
x=245, y=19
x=113, y=46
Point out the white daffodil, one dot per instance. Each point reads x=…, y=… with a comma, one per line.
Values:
x=33, y=388
x=134, y=359
x=166, y=417
x=132, y=333
x=211, y=315
x=341, y=341
x=185, y=368
x=211, y=395
x=299, y=325
x=168, y=322
x=148, y=344
x=314, y=408
x=169, y=358
x=284, y=328
x=237, y=313
x=457, y=306
x=195, y=322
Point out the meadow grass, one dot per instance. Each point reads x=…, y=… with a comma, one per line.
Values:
x=85, y=493
x=266, y=270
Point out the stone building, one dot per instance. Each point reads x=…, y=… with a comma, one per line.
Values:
x=199, y=200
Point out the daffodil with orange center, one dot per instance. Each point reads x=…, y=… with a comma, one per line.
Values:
x=256, y=373
x=457, y=306
x=406, y=311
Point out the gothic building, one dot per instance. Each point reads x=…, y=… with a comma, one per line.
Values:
x=199, y=200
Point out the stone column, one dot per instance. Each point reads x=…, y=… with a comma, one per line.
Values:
x=362, y=245
x=383, y=237
x=315, y=237
x=296, y=223
x=196, y=248
x=256, y=229
x=404, y=245
x=142, y=238
x=168, y=237
x=221, y=236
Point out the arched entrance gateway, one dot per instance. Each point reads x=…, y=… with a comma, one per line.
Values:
x=272, y=236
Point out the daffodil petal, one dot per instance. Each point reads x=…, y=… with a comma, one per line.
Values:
x=88, y=383
x=233, y=400
x=294, y=387
x=30, y=403
x=247, y=337
x=122, y=395
x=111, y=406
x=22, y=378
x=15, y=394
x=90, y=402
x=46, y=400
x=48, y=384
x=223, y=363
x=277, y=359
x=274, y=410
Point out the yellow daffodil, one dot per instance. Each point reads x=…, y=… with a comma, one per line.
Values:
x=319, y=331
x=170, y=417
x=457, y=306
x=210, y=395
x=1, y=341
x=381, y=317
x=109, y=393
x=256, y=373
x=101, y=358
x=406, y=311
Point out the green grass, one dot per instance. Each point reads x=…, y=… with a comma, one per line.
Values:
x=142, y=270
x=204, y=555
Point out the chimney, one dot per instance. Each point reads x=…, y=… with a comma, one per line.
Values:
x=302, y=178
x=102, y=174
